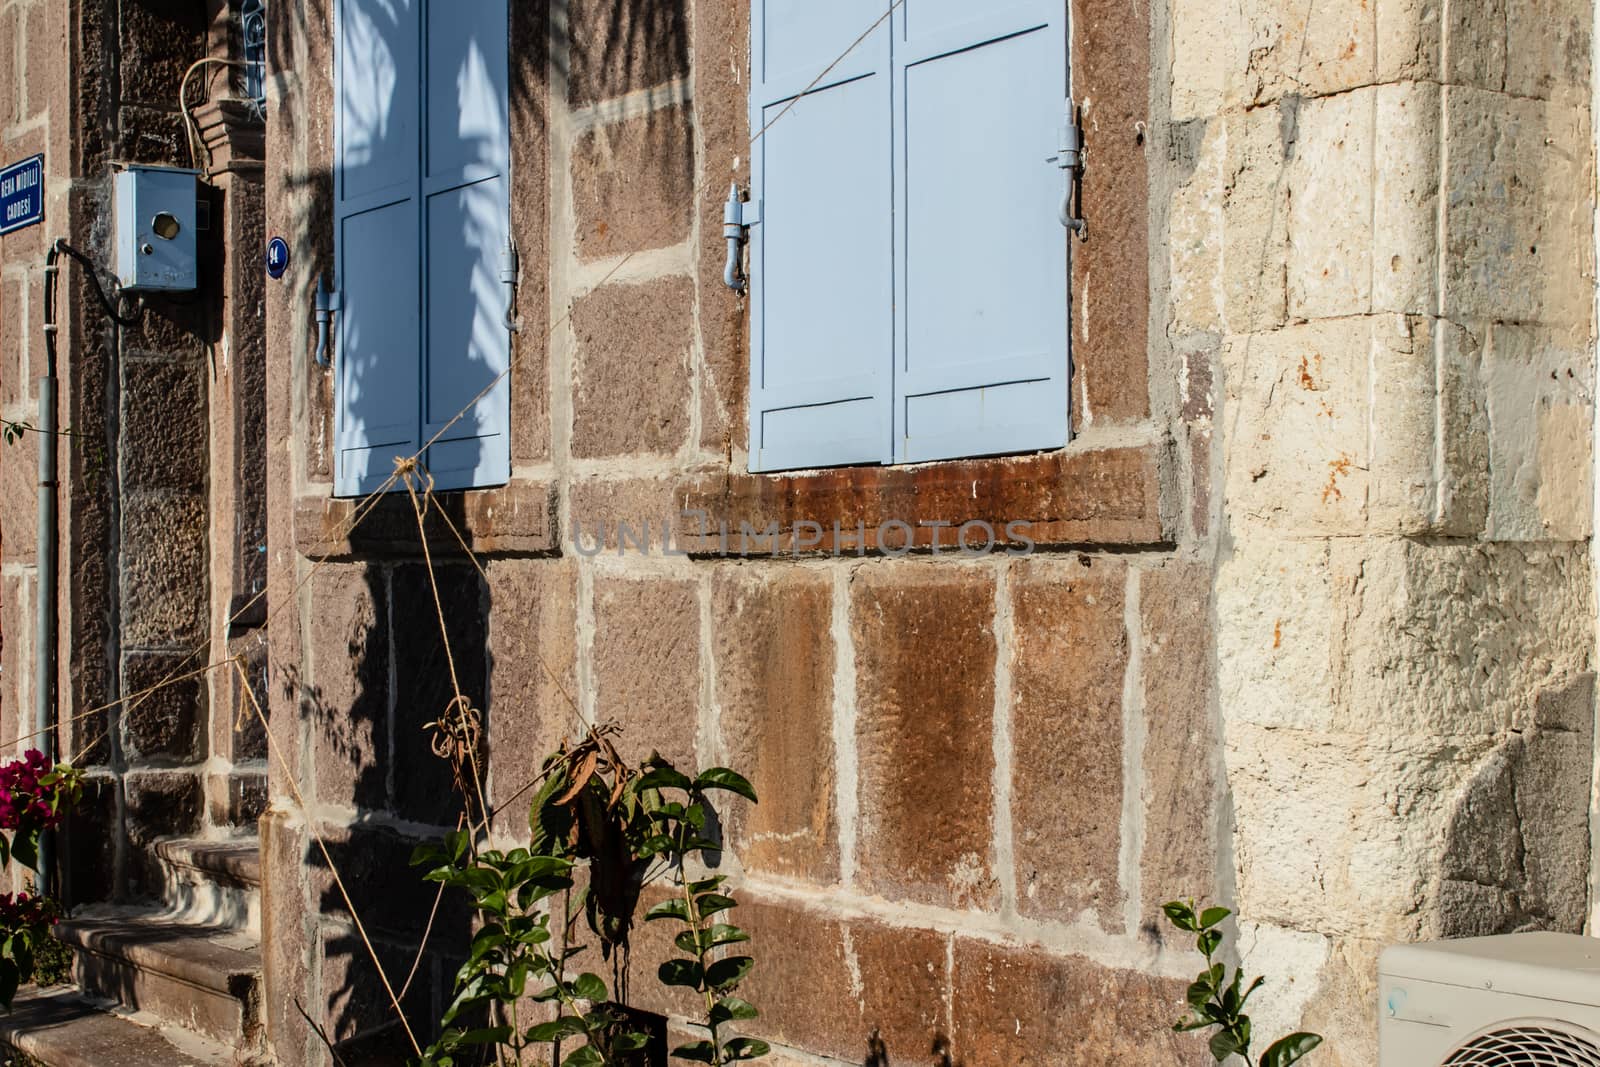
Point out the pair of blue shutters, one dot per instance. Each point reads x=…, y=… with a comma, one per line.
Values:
x=421, y=213
x=909, y=265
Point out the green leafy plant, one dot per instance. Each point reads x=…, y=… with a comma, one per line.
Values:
x=515, y=956
x=596, y=817
x=675, y=831
x=1218, y=1001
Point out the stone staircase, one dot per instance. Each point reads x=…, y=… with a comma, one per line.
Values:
x=172, y=986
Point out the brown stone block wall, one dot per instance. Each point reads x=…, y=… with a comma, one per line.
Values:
x=1069, y=660
x=925, y=653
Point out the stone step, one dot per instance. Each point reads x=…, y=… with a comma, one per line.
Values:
x=211, y=882
x=59, y=1027
x=203, y=978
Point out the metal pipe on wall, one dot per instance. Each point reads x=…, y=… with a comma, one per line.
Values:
x=44, y=652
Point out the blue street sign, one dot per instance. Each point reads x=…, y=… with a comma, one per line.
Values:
x=22, y=194
x=277, y=257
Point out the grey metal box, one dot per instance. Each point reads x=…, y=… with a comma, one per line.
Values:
x=155, y=213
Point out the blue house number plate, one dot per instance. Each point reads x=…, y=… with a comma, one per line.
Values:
x=22, y=194
x=277, y=257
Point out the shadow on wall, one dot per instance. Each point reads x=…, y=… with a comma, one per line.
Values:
x=1517, y=849
x=380, y=674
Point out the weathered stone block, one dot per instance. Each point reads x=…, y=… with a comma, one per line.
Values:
x=1518, y=219
x=1548, y=46
x=1179, y=787
x=164, y=724
x=426, y=669
x=16, y=330
x=374, y=863
x=347, y=702
x=356, y=1001
x=533, y=686
x=1196, y=233
x=157, y=42
x=1068, y=667
x=925, y=656
x=1111, y=278
x=1255, y=216
x=156, y=804
x=19, y=497
x=1298, y=435
x=1330, y=206
x=1537, y=384
x=89, y=843
x=1275, y=655
x=1405, y=198
x=774, y=683
x=11, y=108
x=623, y=47
x=721, y=45
x=633, y=183
x=164, y=425
x=1021, y=1007
x=1404, y=487
x=631, y=388
x=616, y=515
x=647, y=665
x=164, y=570
x=861, y=978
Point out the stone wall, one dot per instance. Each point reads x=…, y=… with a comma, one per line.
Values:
x=94, y=85
x=1382, y=238
x=1310, y=631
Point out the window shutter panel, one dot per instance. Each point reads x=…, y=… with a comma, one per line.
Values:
x=465, y=189
x=376, y=192
x=981, y=290
x=821, y=253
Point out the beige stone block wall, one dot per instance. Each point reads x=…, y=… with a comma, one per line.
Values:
x=1398, y=271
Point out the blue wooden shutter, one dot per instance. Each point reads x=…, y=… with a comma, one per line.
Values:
x=821, y=272
x=981, y=285
x=377, y=190
x=466, y=160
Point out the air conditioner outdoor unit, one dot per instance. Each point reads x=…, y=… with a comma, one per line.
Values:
x=1517, y=1000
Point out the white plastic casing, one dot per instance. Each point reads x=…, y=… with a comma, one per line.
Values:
x=145, y=259
x=1432, y=998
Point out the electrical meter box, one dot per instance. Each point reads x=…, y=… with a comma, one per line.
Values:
x=156, y=247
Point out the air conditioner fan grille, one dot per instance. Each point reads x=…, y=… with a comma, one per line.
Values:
x=1526, y=1045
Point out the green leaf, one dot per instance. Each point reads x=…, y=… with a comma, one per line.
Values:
x=1224, y=1044
x=723, y=778
x=1212, y=916
x=664, y=778
x=1208, y=941
x=1289, y=1049
x=726, y=973
x=494, y=1035
x=566, y=1026
x=584, y=1057
x=681, y=972
x=711, y=903
x=589, y=987
x=25, y=850
x=673, y=908
x=1180, y=915
x=730, y=1008
x=630, y=1041
x=746, y=1048
x=1199, y=993
x=698, y=1052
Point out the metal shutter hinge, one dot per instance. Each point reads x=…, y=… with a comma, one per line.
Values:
x=510, y=271
x=734, y=231
x=327, y=302
x=1070, y=159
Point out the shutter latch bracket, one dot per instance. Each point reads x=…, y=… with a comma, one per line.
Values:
x=510, y=272
x=1070, y=159
x=734, y=232
x=327, y=302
